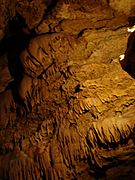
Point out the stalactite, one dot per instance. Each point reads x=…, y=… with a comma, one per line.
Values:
x=114, y=132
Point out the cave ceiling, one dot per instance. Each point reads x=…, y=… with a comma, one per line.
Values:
x=67, y=89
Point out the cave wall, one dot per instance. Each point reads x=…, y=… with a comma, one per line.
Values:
x=67, y=102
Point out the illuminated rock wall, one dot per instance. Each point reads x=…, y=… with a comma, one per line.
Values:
x=67, y=104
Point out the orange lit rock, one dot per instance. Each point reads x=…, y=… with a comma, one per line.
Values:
x=69, y=112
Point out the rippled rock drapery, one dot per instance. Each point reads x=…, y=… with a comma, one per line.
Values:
x=71, y=113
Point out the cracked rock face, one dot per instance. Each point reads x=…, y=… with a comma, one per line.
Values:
x=67, y=104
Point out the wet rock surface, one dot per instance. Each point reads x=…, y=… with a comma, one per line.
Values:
x=67, y=104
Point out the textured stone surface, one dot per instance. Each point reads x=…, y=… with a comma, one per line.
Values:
x=66, y=105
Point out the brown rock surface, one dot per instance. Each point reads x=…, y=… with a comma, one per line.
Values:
x=67, y=106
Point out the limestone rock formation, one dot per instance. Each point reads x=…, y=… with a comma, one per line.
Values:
x=67, y=104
